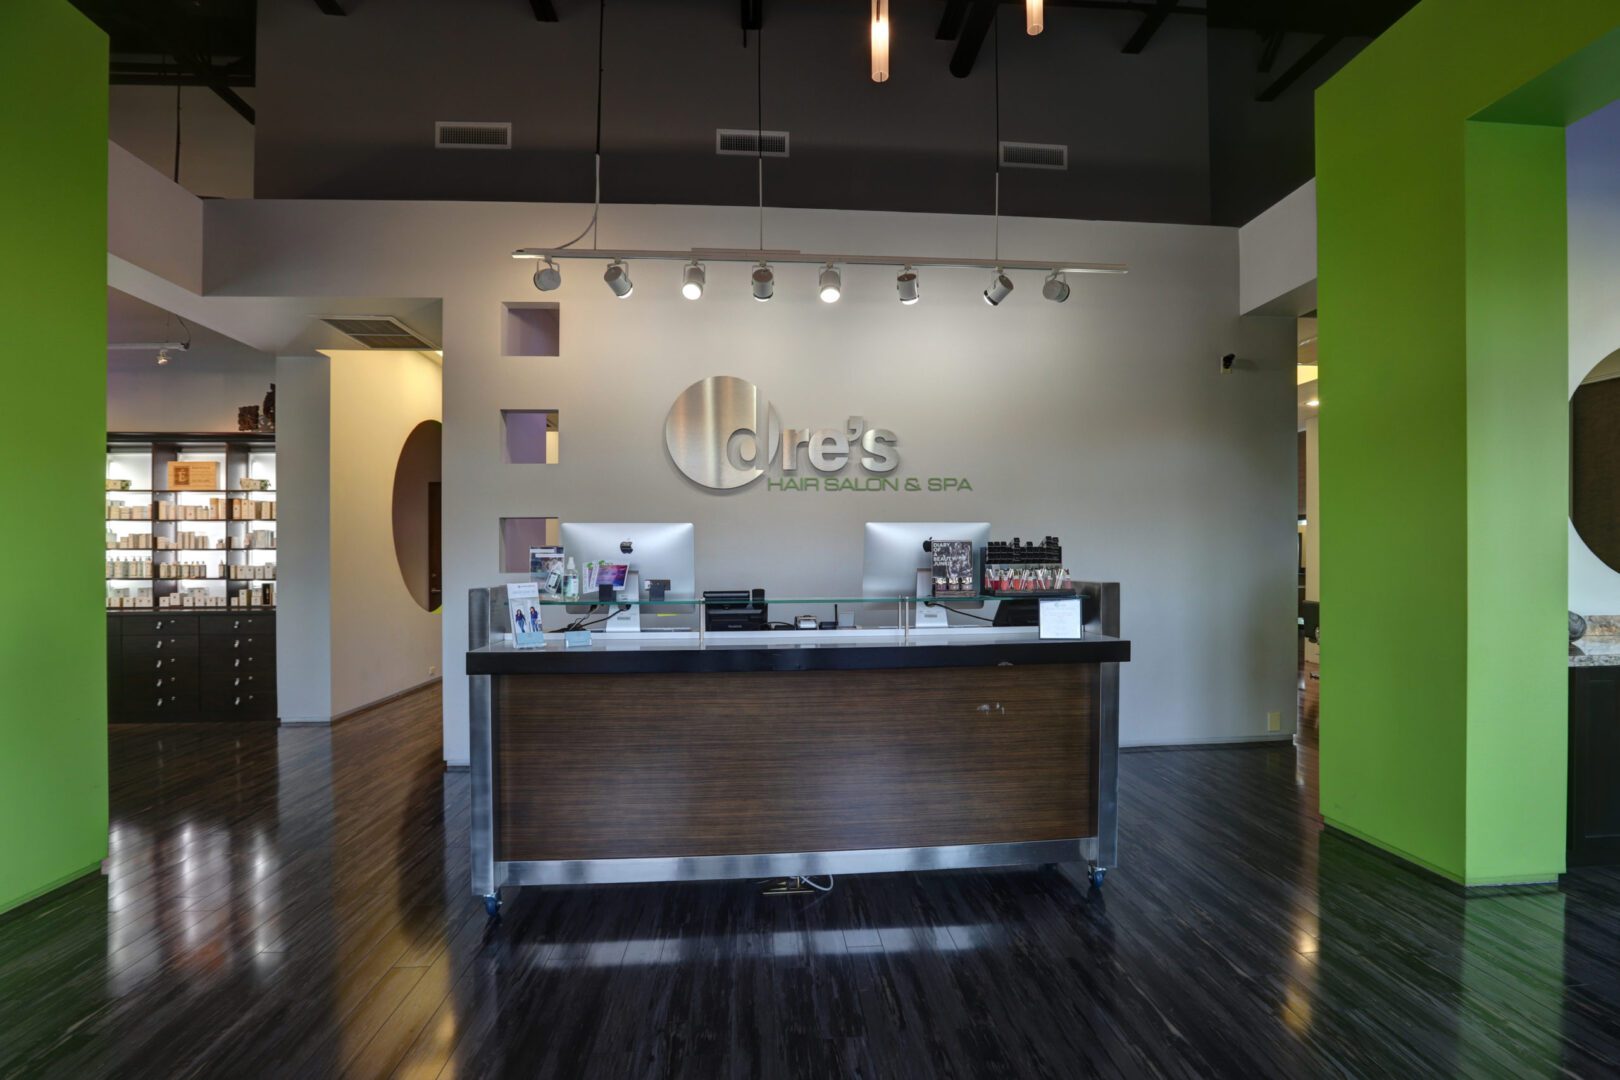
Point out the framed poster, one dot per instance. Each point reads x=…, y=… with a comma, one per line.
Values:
x=194, y=476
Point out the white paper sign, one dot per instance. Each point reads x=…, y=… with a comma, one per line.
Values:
x=1060, y=618
x=527, y=632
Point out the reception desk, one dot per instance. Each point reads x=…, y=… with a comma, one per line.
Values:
x=656, y=757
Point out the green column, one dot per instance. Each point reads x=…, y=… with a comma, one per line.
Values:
x=53, y=305
x=1443, y=267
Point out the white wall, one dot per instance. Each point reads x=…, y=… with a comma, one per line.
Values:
x=216, y=144
x=348, y=631
x=1594, y=317
x=303, y=539
x=1104, y=420
x=184, y=395
x=382, y=641
x=1278, y=254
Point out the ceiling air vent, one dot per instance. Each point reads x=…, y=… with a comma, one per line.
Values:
x=1028, y=155
x=750, y=143
x=455, y=135
x=378, y=332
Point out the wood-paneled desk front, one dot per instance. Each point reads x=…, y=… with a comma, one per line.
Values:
x=664, y=758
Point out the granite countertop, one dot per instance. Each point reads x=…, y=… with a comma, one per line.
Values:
x=1595, y=651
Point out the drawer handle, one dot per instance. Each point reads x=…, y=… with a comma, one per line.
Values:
x=159, y=664
x=238, y=700
x=159, y=644
x=160, y=701
x=160, y=624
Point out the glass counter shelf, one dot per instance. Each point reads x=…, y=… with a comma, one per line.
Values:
x=698, y=601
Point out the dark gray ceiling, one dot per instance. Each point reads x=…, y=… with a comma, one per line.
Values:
x=1179, y=112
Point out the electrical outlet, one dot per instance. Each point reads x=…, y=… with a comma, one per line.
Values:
x=1273, y=721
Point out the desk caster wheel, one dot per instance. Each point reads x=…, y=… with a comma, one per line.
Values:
x=492, y=905
x=1097, y=874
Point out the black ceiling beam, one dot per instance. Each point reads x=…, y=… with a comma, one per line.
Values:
x=975, y=28
x=1324, y=45
x=330, y=7
x=1271, y=45
x=1150, y=26
x=544, y=10
x=950, y=23
x=753, y=14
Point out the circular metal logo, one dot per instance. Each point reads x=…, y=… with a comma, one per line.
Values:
x=721, y=432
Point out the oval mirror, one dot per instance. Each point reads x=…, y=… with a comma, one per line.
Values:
x=1594, y=460
x=416, y=513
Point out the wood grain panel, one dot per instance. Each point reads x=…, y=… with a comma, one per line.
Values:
x=642, y=766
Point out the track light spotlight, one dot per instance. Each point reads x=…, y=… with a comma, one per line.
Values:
x=617, y=277
x=907, y=285
x=693, y=278
x=831, y=283
x=163, y=357
x=1056, y=288
x=548, y=277
x=1001, y=287
x=764, y=279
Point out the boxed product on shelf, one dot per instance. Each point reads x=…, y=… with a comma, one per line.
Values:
x=129, y=541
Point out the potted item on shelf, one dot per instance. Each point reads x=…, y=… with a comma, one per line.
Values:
x=247, y=418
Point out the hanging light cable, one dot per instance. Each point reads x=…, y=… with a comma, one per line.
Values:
x=880, y=41
x=549, y=276
x=1034, y=16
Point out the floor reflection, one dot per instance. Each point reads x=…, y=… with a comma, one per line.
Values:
x=295, y=902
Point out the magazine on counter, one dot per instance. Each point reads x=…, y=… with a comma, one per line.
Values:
x=524, y=600
x=546, y=568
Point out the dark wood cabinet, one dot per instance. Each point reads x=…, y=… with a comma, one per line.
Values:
x=1594, y=766
x=203, y=665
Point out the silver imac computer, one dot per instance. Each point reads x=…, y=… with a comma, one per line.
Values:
x=655, y=551
x=894, y=554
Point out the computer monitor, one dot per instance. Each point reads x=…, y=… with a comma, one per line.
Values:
x=658, y=550
x=894, y=552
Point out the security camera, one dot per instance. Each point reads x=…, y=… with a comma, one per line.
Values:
x=625, y=546
x=1226, y=363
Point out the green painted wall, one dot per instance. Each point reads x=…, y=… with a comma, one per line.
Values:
x=1442, y=280
x=53, y=305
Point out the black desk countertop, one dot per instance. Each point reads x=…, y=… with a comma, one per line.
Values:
x=794, y=651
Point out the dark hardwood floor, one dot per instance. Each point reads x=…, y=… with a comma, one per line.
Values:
x=294, y=903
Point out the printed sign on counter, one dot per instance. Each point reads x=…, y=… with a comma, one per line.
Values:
x=524, y=598
x=1060, y=618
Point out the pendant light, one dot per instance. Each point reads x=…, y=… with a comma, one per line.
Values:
x=1034, y=16
x=880, y=41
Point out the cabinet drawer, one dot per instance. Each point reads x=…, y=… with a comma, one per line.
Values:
x=156, y=663
x=243, y=706
x=219, y=686
x=217, y=647
x=165, y=625
x=169, y=681
x=260, y=625
x=237, y=663
x=156, y=708
x=142, y=646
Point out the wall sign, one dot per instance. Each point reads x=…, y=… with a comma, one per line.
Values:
x=722, y=433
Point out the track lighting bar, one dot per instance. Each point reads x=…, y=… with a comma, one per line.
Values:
x=754, y=256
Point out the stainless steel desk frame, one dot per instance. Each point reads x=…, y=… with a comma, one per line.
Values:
x=1083, y=858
